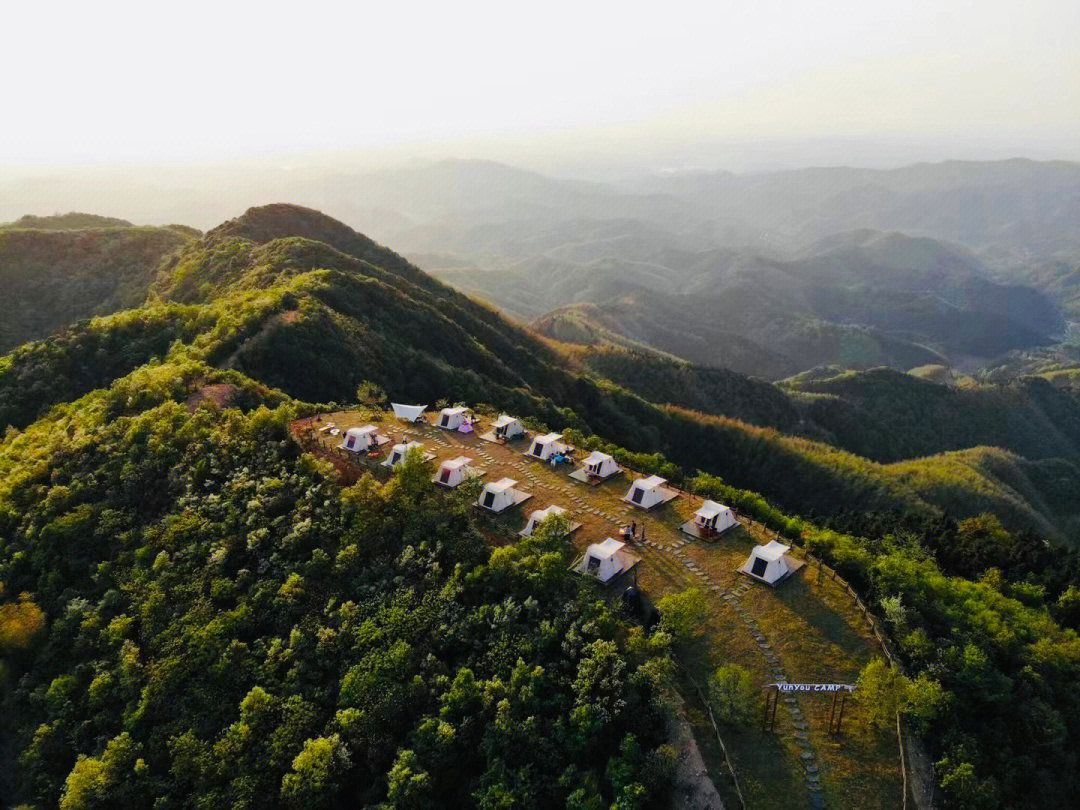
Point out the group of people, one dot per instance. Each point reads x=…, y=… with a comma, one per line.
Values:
x=631, y=530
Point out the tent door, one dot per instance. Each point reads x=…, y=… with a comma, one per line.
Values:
x=395, y=459
x=445, y=477
x=445, y=419
x=489, y=498
x=638, y=493
x=538, y=450
x=759, y=566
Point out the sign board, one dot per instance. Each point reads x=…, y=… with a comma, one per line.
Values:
x=812, y=687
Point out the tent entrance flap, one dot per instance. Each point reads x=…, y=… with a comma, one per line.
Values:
x=637, y=495
x=759, y=567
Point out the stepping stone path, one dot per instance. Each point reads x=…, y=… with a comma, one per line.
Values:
x=733, y=596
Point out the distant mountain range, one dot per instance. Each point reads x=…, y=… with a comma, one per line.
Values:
x=767, y=274
x=771, y=273
x=300, y=302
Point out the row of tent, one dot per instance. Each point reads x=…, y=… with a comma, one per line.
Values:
x=768, y=563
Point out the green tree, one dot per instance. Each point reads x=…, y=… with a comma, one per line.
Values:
x=316, y=772
x=732, y=695
x=409, y=786
x=883, y=691
x=684, y=614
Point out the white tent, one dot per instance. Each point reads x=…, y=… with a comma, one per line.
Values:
x=507, y=427
x=410, y=413
x=452, y=418
x=500, y=495
x=360, y=439
x=399, y=451
x=646, y=493
x=596, y=467
x=605, y=561
x=538, y=516
x=454, y=471
x=544, y=446
x=714, y=517
x=769, y=563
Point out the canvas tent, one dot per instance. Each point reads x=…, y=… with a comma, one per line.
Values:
x=645, y=493
x=770, y=563
x=454, y=471
x=362, y=439
x=538, y=516
x=710, y=520
x=605, y=561
x=544, y=446
x=399, y=451
x=452, y=418
x=410, y=413
x=500, y=495
x=595, y=468
x=507, y=427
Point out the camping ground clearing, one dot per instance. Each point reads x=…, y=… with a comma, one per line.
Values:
x=802, y=631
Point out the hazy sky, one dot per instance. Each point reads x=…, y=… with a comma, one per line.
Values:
x=145, y=81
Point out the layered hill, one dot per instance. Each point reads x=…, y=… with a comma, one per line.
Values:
x=857, y=300
x=266, y=295
x=57, y=270
x=195, y=608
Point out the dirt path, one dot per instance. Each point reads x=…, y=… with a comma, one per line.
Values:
x=691, y=787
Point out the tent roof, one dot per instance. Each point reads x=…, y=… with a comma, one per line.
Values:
x=711, y=509
x=542, y=514
x=407, y=412
x=606, y=549
x=460, y=461
x=596, y=457
x=771, y=551
x=455, y=410
x=651, y=481
x=504, y=420
x=360, y=431
x=501, y=485
x=549, y=437
x=408, y=446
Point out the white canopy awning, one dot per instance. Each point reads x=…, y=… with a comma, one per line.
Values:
x=410, y=413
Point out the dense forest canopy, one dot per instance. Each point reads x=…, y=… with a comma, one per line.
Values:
x=61, y=272
x=242, y=632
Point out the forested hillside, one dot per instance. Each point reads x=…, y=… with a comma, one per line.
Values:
x=215, y=622
x=210, y=619
x=857, y=300
x=316, y=321
x=57, y=270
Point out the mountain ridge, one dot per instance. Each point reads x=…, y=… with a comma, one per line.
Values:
x=304, y=317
